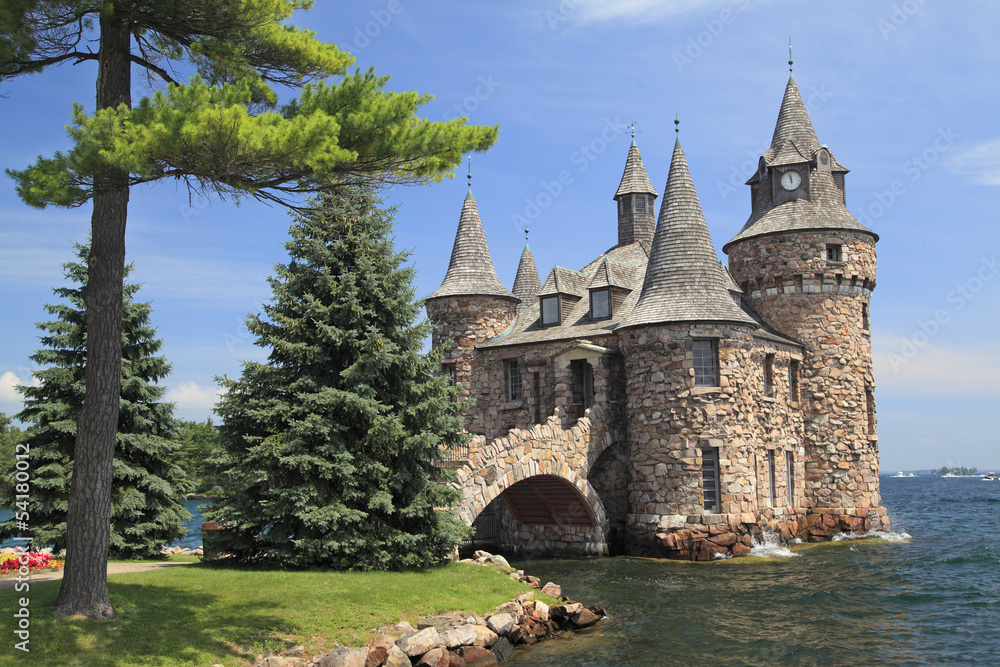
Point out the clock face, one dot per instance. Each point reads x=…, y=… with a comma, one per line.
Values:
x=791, y=180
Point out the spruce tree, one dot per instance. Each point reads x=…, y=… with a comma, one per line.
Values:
x=329, y=447
x=224, y=131
x=144, y=513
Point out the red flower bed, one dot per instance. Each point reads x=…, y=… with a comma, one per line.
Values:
x=10, y=563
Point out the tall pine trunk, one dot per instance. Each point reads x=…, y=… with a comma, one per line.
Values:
x=84, y=589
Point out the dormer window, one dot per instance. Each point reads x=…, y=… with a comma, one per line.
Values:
x=600, y=304
x=834, y=252
x=550, y=310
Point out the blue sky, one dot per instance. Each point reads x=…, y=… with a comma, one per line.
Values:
x=905, y=94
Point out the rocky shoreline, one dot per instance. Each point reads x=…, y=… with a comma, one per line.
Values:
x=455, y=639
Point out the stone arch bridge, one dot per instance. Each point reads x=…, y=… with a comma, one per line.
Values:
x=552, y=489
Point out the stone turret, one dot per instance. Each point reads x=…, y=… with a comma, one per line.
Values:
x=526, y=282
x=689, y=354
x=471, y=305
x=635, y=197
x=808, y=267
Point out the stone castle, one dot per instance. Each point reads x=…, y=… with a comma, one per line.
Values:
x=655, y=403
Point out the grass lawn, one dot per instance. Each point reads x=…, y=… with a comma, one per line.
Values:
x=200, y=614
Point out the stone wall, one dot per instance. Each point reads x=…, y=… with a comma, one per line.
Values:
x=461, y=323
x=569, y=453
x=546, y=385
x=671, y=422
x=793, y=286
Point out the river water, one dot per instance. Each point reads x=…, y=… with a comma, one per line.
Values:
x=928, y=593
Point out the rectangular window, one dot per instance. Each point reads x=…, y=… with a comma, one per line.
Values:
x=793, y=381
x=864, y=317
x=790, y=478
x=710, y=478
x=448, y=370
x=833, y=252
x=770, y=478
x=583, y=385
x=769, y=375
x=870, y=409
x=550, y=310
x=640, y=204
x=600, y=304
x=513, y=373
x=537, y=386
x=706, y=363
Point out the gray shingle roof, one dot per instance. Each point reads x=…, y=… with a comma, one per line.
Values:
x=794, y=141
x=471, y=271
x=611, y=273
x=564, y=281
x=634, y=178
x=526, y=282
x=577, y=324
x=824, y=209
x=793, y=124
x=683, y=282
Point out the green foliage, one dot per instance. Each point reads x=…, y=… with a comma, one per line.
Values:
x=10, y=435
x=330, y=446
x=222, y=131
x=144, y=514
x=198, y=443
x=959, y=470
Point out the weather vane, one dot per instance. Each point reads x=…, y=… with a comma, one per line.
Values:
x=525, y=234
x=789, y=54
x=677, y=124
x=470, y=172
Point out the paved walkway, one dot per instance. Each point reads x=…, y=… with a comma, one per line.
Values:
x=8, y=581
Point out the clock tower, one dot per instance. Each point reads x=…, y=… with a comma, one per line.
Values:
x=807, y=266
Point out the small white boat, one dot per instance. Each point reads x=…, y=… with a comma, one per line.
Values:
x=990, y=477
x=912, y=475
x=899, y=474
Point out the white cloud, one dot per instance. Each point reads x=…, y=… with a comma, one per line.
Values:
x=981, y=162
x=193, y=396
x=607, y=10
x=8, y=394
x=10, y=398
x=903, y=369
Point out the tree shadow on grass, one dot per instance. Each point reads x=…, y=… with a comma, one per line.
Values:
x=156, y=625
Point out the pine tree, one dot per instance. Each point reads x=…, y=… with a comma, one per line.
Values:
x=223, y=132
x=330, y=445
x=144, y=514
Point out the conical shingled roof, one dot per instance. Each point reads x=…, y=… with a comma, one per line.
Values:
x=795, y=142
x=471, y=271
x=793, y=127
x=683, y=282
x=526, y=282
x=634, y=178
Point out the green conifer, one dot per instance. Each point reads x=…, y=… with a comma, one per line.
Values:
x=330, y=446
x=144, y=512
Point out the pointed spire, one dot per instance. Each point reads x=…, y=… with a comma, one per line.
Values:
x=795, y=143
x=683, y=282
x=526, y=282
x=793, y=124
x=471, y=271
x=635, y=197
